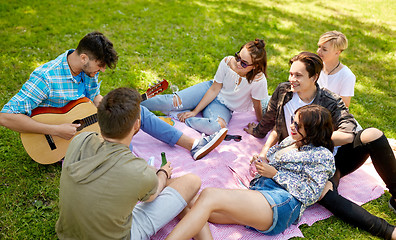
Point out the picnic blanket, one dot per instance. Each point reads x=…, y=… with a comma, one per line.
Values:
x=361, y=186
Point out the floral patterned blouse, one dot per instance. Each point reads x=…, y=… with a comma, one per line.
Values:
x=303, y=173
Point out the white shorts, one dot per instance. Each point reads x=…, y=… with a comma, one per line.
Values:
x=149, y=217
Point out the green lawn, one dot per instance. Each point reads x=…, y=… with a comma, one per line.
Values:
x=183, y=41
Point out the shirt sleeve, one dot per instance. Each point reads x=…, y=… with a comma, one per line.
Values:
x=348, y=84
x=267, y=123
x=150, y=182
x=221, y=71
x=260, y=89
x=32, y=93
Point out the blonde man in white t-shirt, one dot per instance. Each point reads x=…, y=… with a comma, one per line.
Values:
x=335, y=76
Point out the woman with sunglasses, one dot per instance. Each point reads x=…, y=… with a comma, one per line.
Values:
x=240, y=83
x=292, y=179
x=353, y=146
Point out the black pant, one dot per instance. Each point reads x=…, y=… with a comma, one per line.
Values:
x=349, y=158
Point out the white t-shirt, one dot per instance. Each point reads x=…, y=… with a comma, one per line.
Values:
x=290, y=107
x=239, y=97
x=341, y=83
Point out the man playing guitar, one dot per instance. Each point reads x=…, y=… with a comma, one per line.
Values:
x=73, y=75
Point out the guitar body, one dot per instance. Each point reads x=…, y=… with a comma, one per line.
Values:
x=37, y=145
x=47, y=149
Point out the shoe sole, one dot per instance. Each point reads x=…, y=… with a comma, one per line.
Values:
x=216, y=141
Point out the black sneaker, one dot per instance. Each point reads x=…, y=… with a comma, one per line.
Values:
x=392, y=204
x=208, y=143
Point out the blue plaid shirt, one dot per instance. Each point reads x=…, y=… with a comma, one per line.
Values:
x=52, y=85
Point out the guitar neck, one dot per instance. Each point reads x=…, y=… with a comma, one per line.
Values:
x=158, y=88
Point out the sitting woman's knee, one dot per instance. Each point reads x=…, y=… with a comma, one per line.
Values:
x=370, y=134
x=208, y=194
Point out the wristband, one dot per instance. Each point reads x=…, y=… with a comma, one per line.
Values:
x=162, y=170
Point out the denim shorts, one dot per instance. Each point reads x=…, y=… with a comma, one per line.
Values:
x=285, y=207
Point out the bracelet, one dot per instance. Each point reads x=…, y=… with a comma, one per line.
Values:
x=162, y=170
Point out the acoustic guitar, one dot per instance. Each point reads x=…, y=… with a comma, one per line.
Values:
x=48, y=149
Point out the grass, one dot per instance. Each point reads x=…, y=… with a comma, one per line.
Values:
x=183, y=41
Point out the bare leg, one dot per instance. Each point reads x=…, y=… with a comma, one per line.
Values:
x=205, y=233
x=225, y=206
x=185, y=142
x=187, y=186
x=370, y=134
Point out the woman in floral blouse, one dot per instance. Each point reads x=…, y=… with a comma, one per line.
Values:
x=292, y=179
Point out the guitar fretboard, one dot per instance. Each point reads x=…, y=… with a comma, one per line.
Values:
x=89, y=120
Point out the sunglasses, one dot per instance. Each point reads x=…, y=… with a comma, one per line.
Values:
x=237, y=138
x=294, y=123
x=243, y=63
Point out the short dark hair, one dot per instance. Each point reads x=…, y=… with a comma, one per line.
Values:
x=118, y=111
x=98, y=47
x=257, y=51
x=318, y=125
x=313, y=63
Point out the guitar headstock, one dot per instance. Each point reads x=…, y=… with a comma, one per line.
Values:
x=157, y=88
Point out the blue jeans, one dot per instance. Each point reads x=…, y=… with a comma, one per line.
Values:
x=157, y=128
x=190, y=97
x=285, y=207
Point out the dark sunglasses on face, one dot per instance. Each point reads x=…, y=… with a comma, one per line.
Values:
x=243, y=63
x=294, y=123
x=237, y=138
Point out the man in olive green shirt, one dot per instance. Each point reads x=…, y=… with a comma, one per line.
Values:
x=108, y=193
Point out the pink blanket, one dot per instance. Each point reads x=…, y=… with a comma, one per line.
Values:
x=361, y=186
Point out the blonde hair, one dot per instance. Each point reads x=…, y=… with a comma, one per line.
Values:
x=336, y=39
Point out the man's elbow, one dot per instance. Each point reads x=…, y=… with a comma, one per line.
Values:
x=3, y=119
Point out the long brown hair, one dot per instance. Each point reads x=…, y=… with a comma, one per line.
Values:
x=318, y=125
x=257, y=51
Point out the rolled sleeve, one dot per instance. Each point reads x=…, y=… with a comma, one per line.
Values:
x=32, y=93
